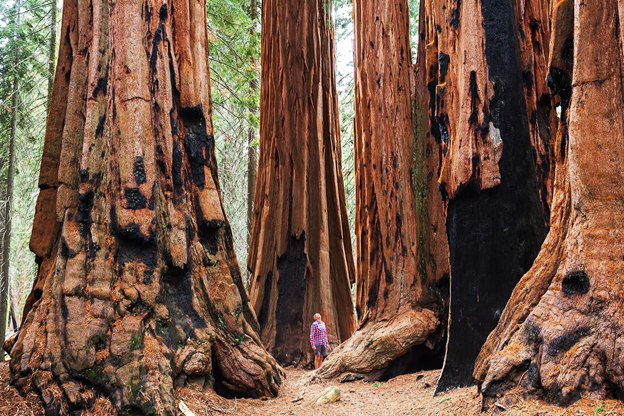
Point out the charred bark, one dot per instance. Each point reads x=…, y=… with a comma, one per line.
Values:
x=401, y=271
x=300, y=251
x=560, y=336
x=478, y=117
x=138, y=288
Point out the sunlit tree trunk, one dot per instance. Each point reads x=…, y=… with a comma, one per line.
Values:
x=138, y=288
x=399, y=289
x=560, y=336
x=478, y=116
x=5, y=281
x=300, y=252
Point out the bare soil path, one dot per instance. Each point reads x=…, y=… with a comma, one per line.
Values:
x=410, y=394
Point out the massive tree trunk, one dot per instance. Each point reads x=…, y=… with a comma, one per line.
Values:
x=560, y=335
x=5, y=281
x=138, y=288
x=300, y=252
x=398, y=295
x=478, y=116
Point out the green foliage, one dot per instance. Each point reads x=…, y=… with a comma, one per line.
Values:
x=238, y=312
x=377, y=384
x=27, y=36
x=135, y=342
x=234, y=59
x=235, y=82
x=414, y=9
x=600, y=409
x=162, y=325
x=239, y=338
x=220, y=322
x=89, y=374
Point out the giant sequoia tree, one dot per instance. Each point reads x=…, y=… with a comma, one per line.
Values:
x=138, y=288
x=561, y=334
x=300, y=251
x=398, y=300
x=478, y=116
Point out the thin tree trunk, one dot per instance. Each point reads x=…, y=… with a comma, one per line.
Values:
x=138, y=288
x=5, y=281
x=52, y=52
x=478, y=117
x=13, y=319
x=252, y=153
x=399, y=298
x=300, y=250
x=560, y=336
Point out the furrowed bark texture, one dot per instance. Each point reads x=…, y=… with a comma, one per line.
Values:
x=533, y=29
x=560, y=335
x=478, y=117
x=396, y=301
x=138, y=288
x=300, y=251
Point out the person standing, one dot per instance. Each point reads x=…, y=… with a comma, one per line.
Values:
x=318, y=339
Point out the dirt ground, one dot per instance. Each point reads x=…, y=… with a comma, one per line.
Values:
x=405, y=395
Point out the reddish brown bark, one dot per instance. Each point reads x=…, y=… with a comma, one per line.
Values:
x=397, y=300
x=560, y=335
x=138, y=287
x=533, y=28
x=478, y=117
x=300, y=250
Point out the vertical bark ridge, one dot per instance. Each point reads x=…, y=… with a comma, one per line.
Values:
x=300, y=251
x=138, y=288
x=533, y=29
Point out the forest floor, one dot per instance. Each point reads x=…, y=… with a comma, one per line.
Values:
x=410, y=394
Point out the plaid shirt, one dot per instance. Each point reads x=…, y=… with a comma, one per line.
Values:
x=318, y=334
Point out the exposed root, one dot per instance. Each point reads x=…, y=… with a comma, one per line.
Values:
x=375, y=346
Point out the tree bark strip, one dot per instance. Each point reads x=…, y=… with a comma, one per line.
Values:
x=533, y=31
x=560, y=335
x=478, y=117
x=252, y=153
x=398, y=299
x=138, y=288
x=300, y=251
